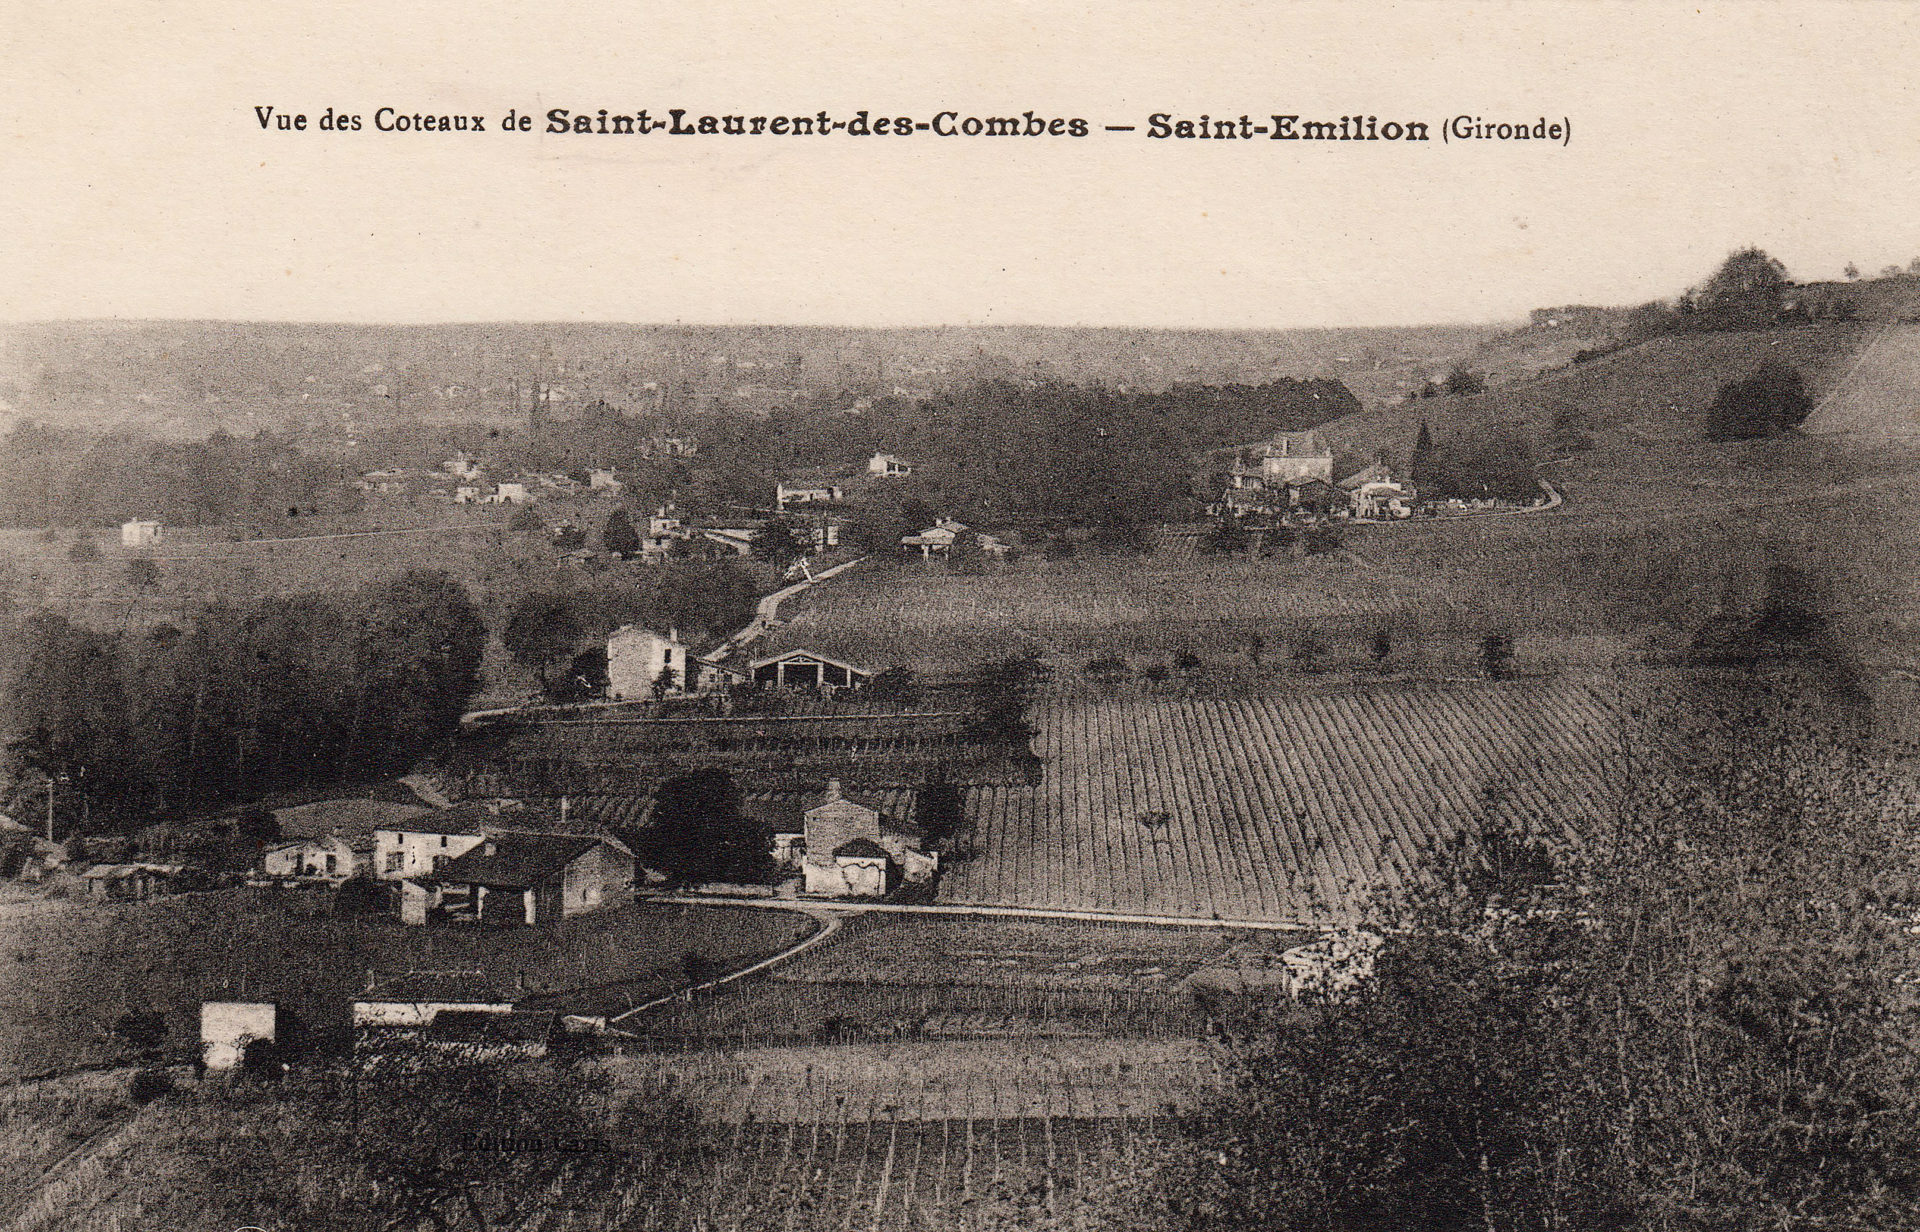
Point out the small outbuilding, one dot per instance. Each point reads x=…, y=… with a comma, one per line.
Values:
x=227, y=1027
x=139, y=533
x=130, y=882
x=807, y=669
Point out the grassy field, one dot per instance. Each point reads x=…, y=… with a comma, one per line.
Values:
x=66, y=976
x=1285, y=807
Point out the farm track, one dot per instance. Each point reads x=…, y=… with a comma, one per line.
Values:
x=829, y=923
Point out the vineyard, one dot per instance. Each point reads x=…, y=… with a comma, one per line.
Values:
x=1572, y=589
x=1285, y=807
x=66, y=976
x=860, y=1159
x=914, y=978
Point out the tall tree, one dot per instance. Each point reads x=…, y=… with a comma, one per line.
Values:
x=1746, y=291
x=699, y=833
x=541, y=630
x=618, y=535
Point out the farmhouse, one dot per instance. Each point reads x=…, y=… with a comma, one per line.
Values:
x=808, y=490
x=850, y=849
x=1289, y=458
x=807, y=669
x=641, y=663
x=139, y=534
x=330, y=857
x=888, y=466
x=408, y=849
x=513, y=878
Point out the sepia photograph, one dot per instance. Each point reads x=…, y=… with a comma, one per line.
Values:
x=1024, y=617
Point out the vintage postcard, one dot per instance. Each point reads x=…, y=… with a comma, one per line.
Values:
x=1024, y=616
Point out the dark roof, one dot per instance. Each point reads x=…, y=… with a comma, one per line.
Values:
x=864, y=848
x=485, y=1027
x=515, y=861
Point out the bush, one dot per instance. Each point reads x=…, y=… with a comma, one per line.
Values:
x=149, y=1085
x=1773, y=399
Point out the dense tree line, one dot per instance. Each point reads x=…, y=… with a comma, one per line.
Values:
x=49, y=477
x=1000, y=449
x=246, y=699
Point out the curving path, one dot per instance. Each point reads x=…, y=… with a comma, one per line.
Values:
x=828, y=921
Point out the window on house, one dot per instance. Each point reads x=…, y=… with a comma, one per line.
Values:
x=395, y=859
x=437, y=862
x=333, y=863
x=667, y=656
x=443, y=840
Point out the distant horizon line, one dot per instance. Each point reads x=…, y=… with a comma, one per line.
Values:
x=639, y=324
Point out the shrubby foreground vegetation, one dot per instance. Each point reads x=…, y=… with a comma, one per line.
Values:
x=1703, y=1020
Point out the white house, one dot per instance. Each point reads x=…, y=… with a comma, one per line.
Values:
x=638, y=659
x=1289, y=458
x=139, y=534
x=512, y=492
x=601, y=479
x=888, y=465
x=329, y=857
x=417, y=847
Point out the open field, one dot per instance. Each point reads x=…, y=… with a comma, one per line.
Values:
x=944, y=951
x=67, y=976
x=927, y=1080
x=1286, y=807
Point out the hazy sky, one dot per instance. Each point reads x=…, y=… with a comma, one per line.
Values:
x=138, y=183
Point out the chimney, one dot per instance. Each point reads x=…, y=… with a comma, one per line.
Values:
x=833, y=791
